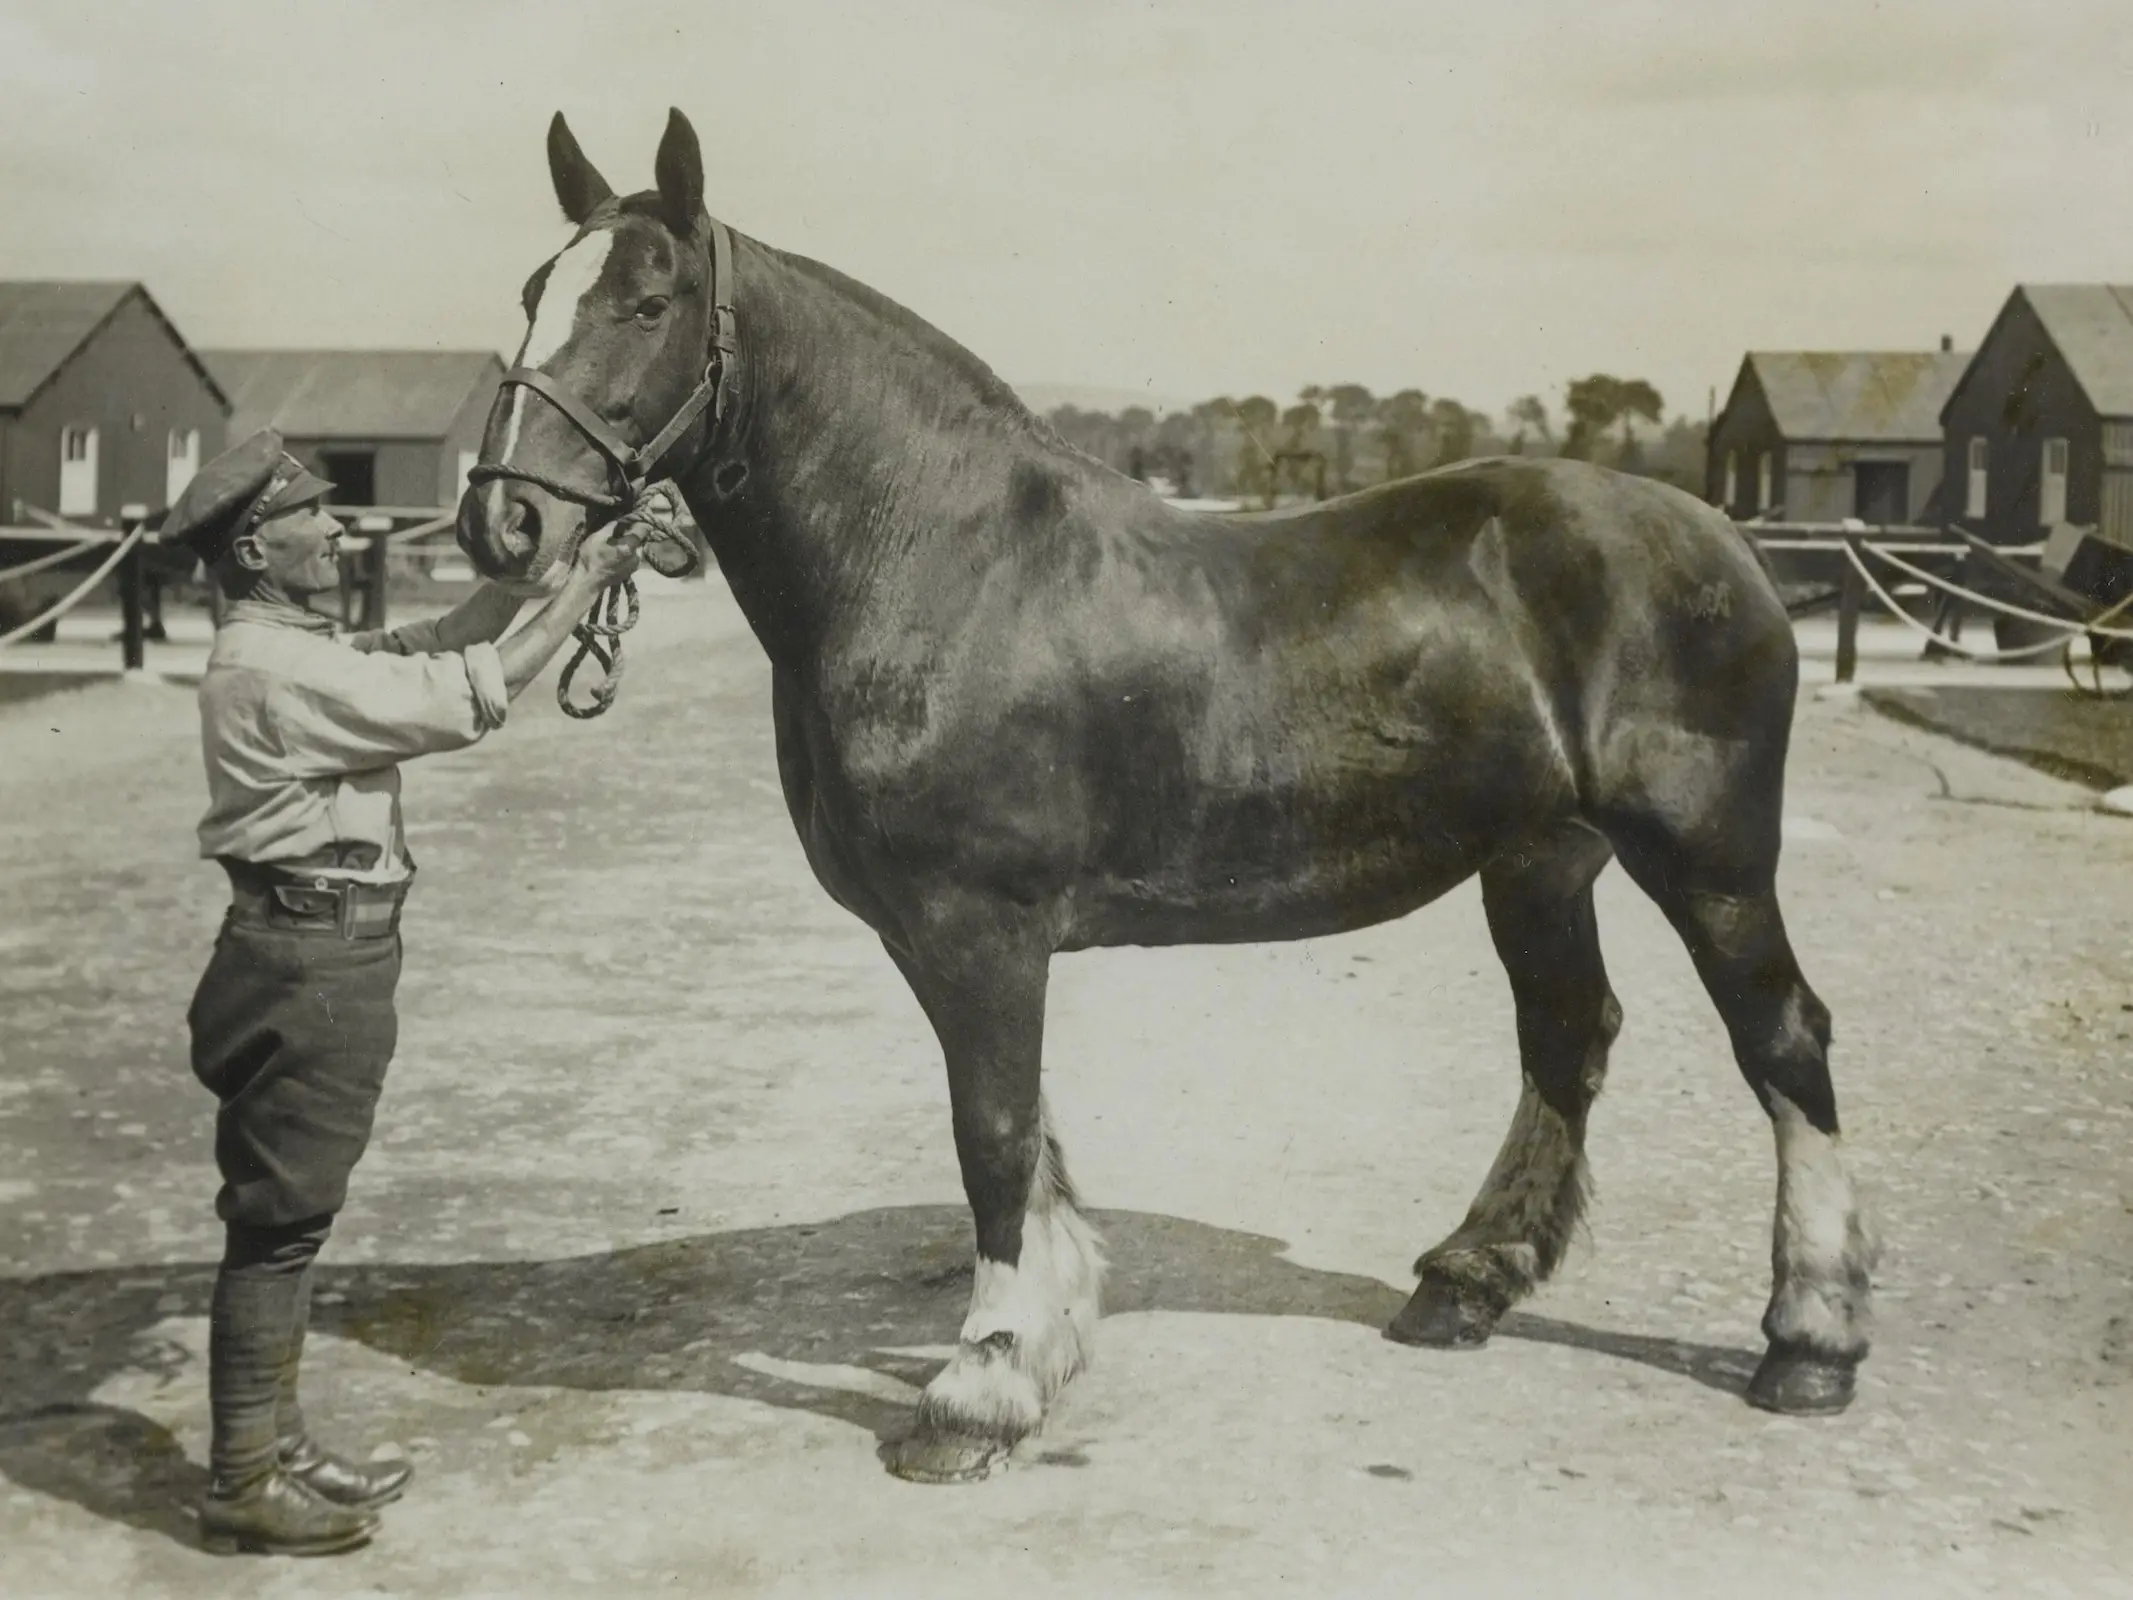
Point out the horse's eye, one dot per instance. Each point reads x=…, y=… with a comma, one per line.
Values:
x=652, y=310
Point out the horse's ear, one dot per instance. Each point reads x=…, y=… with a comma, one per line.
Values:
x=680, y=170
x=578, y=184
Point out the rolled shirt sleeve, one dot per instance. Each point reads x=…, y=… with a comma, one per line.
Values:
x=358, y=709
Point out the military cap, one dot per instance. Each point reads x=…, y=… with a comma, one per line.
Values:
x=236, y=492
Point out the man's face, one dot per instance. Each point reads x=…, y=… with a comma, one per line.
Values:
x=298, y=552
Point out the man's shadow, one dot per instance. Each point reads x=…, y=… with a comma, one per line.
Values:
x=743, y=1314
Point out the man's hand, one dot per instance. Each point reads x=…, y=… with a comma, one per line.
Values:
x=607, y=556
x=655, y=525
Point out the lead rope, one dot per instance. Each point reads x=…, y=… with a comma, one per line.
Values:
x=599, y=634
x=614, y=612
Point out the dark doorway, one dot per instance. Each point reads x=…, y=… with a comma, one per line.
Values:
x=1881, y=491
x=354, y=474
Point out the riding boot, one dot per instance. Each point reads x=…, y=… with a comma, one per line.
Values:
x=345, y=1483
x=251, y=1503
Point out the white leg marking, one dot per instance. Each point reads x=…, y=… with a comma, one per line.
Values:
x=1046, y=1304
x=1822, y=1253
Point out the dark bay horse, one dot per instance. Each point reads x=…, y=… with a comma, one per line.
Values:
x=1022, y=706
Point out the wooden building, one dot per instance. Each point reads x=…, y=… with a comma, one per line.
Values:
x=387, y=427
x=103, y=406
x=2039, y=431
x=1818, y=436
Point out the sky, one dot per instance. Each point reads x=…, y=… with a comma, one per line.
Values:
x=1174, y=199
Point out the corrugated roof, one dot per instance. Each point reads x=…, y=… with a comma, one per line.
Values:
x=2092, y=324
x=1886, y=396
x=355, y=394
x=43, y=323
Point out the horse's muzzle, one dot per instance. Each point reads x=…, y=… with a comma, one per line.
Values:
x=499, y=530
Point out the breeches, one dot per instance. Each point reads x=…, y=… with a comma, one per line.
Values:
x=292, y=1029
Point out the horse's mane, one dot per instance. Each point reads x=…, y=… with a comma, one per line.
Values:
x=989, y=388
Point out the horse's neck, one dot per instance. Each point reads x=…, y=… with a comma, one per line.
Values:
x=869, y=440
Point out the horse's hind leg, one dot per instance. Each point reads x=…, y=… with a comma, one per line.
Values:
x=1539, y=905
x=1717, y=887
x=979, y=970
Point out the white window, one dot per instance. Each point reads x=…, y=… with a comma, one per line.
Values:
x=77, y=472
x=1974, y=486
x=182, y=463
x=1762, y=482
x=1732, y=493
x=2051, y=485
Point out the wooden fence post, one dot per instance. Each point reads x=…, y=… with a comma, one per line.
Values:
x=131, y=633
x=1850, y=593
x=375, y=569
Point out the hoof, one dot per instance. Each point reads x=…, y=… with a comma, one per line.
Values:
x=1438, y=1316
x=945, y=1457
x=1800, y=1383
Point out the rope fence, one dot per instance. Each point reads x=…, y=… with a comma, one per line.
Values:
x=380, y=547
x=376, y=545
x=79, y=592
x=1888, y=549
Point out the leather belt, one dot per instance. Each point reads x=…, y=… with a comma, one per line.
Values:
x=276, y=898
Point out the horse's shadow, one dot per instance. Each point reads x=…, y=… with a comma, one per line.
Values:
x=744, y=1314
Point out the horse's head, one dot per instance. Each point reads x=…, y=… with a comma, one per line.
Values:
x=619, y=323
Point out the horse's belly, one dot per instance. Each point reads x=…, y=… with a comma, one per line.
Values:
x=1269, y=883
x=1151, y=914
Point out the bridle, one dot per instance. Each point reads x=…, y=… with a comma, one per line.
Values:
x=630, y=470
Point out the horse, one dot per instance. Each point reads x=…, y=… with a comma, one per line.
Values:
x=1022, y=706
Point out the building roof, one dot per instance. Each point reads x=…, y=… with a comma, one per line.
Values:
x=2092, y=326
x=43, y=323
x=351, y=394
x=1887, y=396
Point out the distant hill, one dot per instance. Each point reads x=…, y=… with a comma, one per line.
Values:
x=1044, y=397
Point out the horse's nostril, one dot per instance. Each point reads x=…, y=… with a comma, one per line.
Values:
x=520, y=534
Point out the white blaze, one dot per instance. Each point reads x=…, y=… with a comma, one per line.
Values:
x=570, y=280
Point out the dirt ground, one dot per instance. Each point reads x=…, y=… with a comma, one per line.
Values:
x=662, y=1222
x=2086, y=739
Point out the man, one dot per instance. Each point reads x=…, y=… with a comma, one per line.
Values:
x=293, y=1023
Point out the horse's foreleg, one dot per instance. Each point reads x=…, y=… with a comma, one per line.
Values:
x=1539, y=906
x=980, y=973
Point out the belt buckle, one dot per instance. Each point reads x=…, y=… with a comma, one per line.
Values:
x=347, y=903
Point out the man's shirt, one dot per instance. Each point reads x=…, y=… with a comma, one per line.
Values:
x=303, y=734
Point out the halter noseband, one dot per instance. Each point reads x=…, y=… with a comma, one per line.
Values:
x=633, y=465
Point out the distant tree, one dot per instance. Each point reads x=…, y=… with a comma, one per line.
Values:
x=1351, y=407
x=1402, y=422
x=1253, y=421
x=1528, y=415
x=1598, y=402
x=1677, y=457
x=1302, y=420
x=1258, y=414
x=1639, y=399
x=1454, y=428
